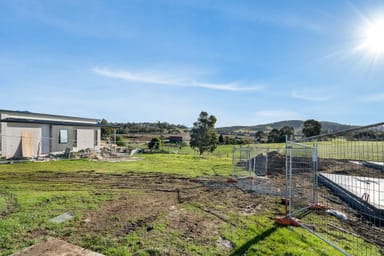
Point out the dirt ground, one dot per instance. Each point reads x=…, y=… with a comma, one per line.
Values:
x=142, y=199
x=55, y=247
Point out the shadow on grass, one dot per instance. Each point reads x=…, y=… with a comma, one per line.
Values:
x=245, y=247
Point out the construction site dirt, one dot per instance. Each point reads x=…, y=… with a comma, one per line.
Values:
x=141, y=198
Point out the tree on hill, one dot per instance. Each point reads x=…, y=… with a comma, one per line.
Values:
x=221, y=139
x=286, y=131
x=273, y=136
x=311, y=128
x=259, y=136
x=203, y=133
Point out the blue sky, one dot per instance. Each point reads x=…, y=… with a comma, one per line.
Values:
x=246, y=62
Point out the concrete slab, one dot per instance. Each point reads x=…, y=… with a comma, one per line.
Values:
x=55, y=247
x=368, y=189
x=374, y=165
x=61, y=218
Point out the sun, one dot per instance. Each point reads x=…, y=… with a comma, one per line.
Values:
x=372, y=37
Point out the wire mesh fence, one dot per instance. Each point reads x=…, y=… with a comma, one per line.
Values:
x=301, y=178
x=241, y=167
x=334, y=185
x=348, y=182
x=254, y=166
x=258, y=160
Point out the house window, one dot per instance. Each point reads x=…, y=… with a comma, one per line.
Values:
x=63, y=136
x=75, y=137
x=96, y=138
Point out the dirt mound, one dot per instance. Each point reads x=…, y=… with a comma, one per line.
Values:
x=272, y=163
x=55, y=247
x=276, y=163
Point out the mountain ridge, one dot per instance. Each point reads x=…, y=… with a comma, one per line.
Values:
x=296, y=124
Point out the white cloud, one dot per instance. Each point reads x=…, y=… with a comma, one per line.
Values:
x=234, y=86
x=267, y=15
x=162, y=78
x=268, y=116
x=309, y=96
x=373, y=98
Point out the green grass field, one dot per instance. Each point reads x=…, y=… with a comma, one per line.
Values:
x=32, y=193
x=335, y=149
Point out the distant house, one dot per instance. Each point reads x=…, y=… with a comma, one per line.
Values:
x=27, y=134
x=176, y=139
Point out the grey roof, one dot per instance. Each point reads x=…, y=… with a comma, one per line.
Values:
x=52, y=122
x=47, y=115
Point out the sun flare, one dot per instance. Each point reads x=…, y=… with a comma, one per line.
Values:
x=373, y=37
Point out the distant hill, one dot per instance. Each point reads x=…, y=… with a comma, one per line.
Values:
x=296, y=124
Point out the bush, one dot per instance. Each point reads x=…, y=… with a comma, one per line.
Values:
x=120, y=141
x=155, y=144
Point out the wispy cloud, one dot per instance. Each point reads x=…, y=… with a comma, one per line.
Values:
x=309, y=96
x=161, y=78
x=267, y=116
x=79, y=22
x=373, y=98
x=267, y=15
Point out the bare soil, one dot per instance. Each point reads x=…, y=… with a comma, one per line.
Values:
x=55, y=247
x=141, y=200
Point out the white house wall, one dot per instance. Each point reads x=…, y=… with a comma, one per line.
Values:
x=46, y=136
x=12, y=139
x=86, y=138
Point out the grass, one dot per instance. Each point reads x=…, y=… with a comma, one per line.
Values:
x=29, y=206
x=334, y=149
x=186, y=165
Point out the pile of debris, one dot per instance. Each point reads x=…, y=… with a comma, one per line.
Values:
x=271, y=163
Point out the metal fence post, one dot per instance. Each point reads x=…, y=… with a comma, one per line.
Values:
x=249, y=161
x=286, y=177
x=266, y=162
x=233, y=162
x=290, y=180
x=315, y=173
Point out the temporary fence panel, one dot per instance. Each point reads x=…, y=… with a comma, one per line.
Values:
x=301, y=178
x=349, y=184
x=240, y=162
x=258, y=160
x=268, y=159
x=259, y=163
x=253, y=167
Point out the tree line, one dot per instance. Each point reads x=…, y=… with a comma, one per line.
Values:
x=204, y=137
x=144, y=127
x=311, y=128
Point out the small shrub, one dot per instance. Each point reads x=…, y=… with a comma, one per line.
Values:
x=120, y=141
x=155, y=144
